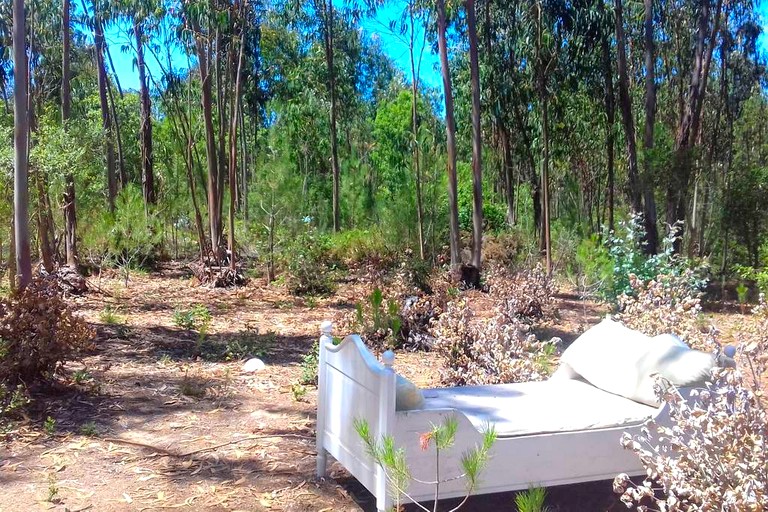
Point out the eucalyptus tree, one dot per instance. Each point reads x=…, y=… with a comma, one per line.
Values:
x=477, y=142
x=70, y=212
x=20, y=141
x=450, y=130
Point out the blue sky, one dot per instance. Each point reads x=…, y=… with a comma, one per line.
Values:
x=376, y=27
x=117, y=38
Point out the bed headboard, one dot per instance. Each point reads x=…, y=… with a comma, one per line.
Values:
x=353, y=385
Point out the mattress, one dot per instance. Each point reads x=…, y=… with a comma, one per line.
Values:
x=539, y=407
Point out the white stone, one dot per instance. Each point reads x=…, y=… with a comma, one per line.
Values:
x=254, y=365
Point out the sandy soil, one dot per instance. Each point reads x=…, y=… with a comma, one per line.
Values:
x=155, y=428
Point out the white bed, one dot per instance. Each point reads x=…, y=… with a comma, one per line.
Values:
x=549, y=433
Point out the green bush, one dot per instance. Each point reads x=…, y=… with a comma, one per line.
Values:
x=361, y=246
x=310, y=265
x=629, y=261
x=594, y=266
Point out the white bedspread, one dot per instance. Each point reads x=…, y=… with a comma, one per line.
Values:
x=539, y=407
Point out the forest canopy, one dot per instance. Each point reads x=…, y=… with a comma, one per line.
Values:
x=263, y=129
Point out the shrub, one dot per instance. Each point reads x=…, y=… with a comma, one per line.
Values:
x=361, y=247
x=488, y=352
x=663, y=305
x=38, y=331
x=626, y=253
x=713, y=456
x=309, y=265
x=527, y=295
x=594, y=267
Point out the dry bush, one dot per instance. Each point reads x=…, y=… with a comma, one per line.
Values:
x=490, y=351
x=38, y=330
x=714, y=455
x=527, y=295
x=668, y=304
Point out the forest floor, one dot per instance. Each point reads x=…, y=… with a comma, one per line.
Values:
x=151, y=428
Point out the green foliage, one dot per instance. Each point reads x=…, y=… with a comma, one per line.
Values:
x=197, y=318
x=81, y=376
x=759, y=276
x=127, y=238
x=309, y=366
x=89, y=429
x=361, y=246
x=109, y=316
x=49, y=426
x=625, y=251
x=245, y=344
x=531, y=500
x=594, y=266
x=442, y=437
x=310, y=265
x=379, y=321
x=13, y=400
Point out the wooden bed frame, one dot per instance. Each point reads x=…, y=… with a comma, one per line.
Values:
x=353, y=385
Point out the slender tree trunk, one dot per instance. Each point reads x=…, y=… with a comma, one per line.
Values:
x=121, y=173
x=70, y=213
x=450, y=129
x=541, y=89
x=415, y=133
x=477, y=140
x=625, y=105
x=210, y=144
x=509, y=183
x=328, y=22
x=106, y=120
x=649, y=203
x=20, y=139
x=610, y=112
x=677, y=190
x=145, y=130
x=233, y=156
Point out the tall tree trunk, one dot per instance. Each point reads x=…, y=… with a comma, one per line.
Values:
x=21, y=148
x=145, y=130
x=610, y=112
x=506, y=169
x=70, y=213
x=541, y=88
x=328, y=22
x=415, y=133
x=106, y=119
x=477, y=140
x=450, y=129
x=233, y=155
x=625, y=105
x=677, y=190
x=214, y=218
x=649, y=199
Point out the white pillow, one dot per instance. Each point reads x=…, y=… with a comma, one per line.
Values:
x=408, y=396
x=619, y=360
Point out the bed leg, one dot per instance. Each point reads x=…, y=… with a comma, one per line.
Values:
x=322, y=462
x=326, y=336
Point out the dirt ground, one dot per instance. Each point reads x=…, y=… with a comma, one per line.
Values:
x=150, y=427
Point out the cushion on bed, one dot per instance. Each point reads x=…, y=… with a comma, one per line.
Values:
x=622, y=361
x=408, y=396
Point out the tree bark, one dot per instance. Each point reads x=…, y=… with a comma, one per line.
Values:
x=328, y=34
x=541, y=88
x=145, y=130
x=610, y=112
x=477, y=140
x=625, y=105
x=649, y=202
x=677, y=190
x=70, y=213
x=233, y=156
x=415, y=130
x=210, y=144
x=106, y=120
x=21, y=148
x=450, y=129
